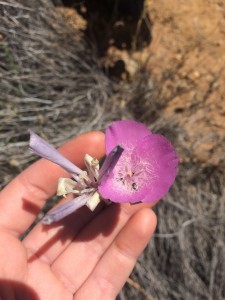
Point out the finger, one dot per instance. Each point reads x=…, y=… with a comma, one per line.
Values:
x=22, y=199
x=48, y=242
x=113, y=269
x=90, y=244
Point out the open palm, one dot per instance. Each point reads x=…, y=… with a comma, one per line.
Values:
x=85, y=256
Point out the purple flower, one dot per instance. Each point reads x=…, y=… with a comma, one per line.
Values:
x=146, y=169
x=139, y=167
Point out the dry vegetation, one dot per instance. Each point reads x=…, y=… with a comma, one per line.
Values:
x=171, y=77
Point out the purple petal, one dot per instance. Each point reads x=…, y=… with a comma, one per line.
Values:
x=161, y=165
x=45, y=150
x=65, y=210
x=110, y=162
x=144, y=174
x=126, y=133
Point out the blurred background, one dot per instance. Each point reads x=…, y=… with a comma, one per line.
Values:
x=69, y=66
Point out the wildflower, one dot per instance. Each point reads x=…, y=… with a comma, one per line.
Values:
x=146, y=169
x=139, y=167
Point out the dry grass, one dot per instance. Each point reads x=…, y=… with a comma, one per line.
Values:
x=48, y=80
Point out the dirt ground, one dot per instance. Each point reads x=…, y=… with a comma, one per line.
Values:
x=188, y=54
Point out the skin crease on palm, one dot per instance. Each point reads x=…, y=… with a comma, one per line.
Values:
x=86, y=255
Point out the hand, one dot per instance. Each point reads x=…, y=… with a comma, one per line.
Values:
x=86, y=255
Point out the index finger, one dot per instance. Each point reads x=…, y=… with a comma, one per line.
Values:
x=22, y=198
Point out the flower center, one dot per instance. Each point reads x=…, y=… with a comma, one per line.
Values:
x=127, y=174
x=128, y=180
x=133, y=174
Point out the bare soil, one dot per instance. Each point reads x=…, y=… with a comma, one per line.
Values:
x=187, y=54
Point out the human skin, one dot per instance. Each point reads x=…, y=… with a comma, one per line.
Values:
x=86, y=255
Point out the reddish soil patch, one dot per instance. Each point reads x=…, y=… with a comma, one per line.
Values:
x=188, y=46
